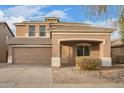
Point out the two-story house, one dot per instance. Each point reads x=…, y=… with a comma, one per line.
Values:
x=52, y=42
x=5, y=35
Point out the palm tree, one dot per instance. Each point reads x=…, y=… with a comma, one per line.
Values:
x=99, y=10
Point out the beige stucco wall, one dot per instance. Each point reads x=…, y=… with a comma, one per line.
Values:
x=95, y=50
x=106, y=37
x=23, y=29
x=5, y=35
x=104, y=47
x=116, y=52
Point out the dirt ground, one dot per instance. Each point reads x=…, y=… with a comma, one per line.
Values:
x=67, y=75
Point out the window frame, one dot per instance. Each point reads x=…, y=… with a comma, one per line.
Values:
x=40, y=31
x=32, y=31
x=83, y=45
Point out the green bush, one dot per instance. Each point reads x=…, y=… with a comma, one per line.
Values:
x=87, y=63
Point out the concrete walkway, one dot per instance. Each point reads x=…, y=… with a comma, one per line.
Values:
x=25, y=76
x=107, y=85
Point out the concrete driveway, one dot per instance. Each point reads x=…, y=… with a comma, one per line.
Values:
x=25, y=76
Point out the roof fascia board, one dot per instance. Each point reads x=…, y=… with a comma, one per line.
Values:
x=83, y=31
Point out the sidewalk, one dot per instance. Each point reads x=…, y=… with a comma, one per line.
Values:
x=39, y=85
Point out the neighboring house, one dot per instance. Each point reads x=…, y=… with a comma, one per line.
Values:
x=55, y=43
x=117, y=50
x=5, y=35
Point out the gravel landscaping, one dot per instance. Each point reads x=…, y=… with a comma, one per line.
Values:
x=116, y=76
x=73, y=75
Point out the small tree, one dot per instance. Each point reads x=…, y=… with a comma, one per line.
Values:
x=100, y=10
x=121, y=28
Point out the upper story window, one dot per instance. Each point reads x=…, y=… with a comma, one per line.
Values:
x=42, y=30
x=31, y=30
x=83, y=50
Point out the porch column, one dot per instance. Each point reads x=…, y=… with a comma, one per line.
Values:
x=9, y=61
x=56, y=55
x=105, y=54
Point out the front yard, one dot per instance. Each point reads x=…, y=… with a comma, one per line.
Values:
x=67, y=75
x=42, y=76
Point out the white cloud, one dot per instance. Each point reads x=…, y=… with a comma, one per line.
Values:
x=67, y=9
x=10, y=20
x=36, y=18
x=58, y=13
x=26, y=11
x=115, y=35
x=1, y=15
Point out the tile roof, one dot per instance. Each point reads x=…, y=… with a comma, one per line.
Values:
x=82, y=28
x=44, y=22
x=117, y=43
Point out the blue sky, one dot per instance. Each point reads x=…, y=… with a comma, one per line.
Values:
x=72, y=13
x=75, y=12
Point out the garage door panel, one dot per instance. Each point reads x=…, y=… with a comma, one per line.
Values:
x=32, y=55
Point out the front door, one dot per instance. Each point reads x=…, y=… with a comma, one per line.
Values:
x=67, y=55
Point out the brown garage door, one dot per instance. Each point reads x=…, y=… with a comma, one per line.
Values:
x=29, y=55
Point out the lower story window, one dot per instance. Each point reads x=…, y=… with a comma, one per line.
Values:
x=83, y=50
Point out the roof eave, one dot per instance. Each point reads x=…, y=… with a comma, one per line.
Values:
x=10, y=30
x=84, y=31
x=117, y=45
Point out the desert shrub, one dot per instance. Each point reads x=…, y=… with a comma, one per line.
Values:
x=87, y=63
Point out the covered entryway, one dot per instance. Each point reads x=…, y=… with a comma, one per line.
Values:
x=70, y=50
x=32, y=55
